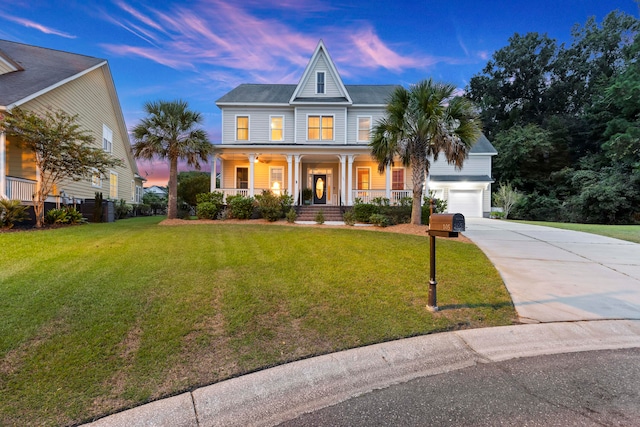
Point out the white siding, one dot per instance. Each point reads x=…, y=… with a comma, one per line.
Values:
x=259, y=125
x=331, y=86
x=339, y=121
x=473, y=165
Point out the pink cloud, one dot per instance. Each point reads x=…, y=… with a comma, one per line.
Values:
x=31, y=24
x=377, y=54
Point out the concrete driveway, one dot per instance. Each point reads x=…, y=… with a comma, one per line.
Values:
x=559, y=275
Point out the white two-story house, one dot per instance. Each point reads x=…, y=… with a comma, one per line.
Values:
x=315, y=135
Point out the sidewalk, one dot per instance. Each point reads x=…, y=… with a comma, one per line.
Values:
x=580, y=292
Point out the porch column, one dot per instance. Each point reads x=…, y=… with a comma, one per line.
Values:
x=252, y=161
x=296, y=187
x=290, y=176
x=3, y=166
x=214, y=172
x=350, y=181
x=388, y=182
x=343, y=179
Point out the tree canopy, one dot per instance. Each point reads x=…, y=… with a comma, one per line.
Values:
x=171, y=132
x=422, y=123
x=62, y=150
x=565, y=120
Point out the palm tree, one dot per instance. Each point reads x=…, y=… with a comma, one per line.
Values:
x=423, y=122
x=170, y=132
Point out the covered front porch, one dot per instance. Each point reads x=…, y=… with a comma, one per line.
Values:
x=331, y=178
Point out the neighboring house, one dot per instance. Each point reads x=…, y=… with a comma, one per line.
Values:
x=157, y=190
x=315, y=135
x=37, y=79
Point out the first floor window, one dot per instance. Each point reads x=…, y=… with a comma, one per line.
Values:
x=242, y=178
x=107, y=139
x=113, y=185
x=242, y=128
x=96, y=179
x=320, y=128
x=133, y=191
x=277, y=131
x=397, y=179
x=276, y=176
x=363, y=179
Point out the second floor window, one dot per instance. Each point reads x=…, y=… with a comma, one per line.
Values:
x=242, y=128
x=364, y=129
x=107, y=139
x=277, y=131
x=320, y=128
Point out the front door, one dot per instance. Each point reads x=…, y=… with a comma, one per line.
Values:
x=319, y=189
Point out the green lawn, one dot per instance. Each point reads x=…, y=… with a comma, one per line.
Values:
x=101, y=317
x=630, y=233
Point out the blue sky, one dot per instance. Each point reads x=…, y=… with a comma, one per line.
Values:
x=199, y=50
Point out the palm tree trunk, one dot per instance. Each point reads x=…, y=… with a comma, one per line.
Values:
x=418, y=165
x=172, y=209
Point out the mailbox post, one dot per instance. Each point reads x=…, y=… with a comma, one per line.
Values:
x=440, y=225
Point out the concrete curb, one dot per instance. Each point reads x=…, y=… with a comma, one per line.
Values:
x=272, y=396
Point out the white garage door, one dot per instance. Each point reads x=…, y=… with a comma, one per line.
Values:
x=466, y=202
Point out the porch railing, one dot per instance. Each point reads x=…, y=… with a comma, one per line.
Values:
x=237, y=191
x=20, y=189
x=367, y=196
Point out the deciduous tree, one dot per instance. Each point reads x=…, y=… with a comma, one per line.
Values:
x=61, y=148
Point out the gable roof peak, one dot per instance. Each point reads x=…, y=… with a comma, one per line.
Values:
x=320, y=59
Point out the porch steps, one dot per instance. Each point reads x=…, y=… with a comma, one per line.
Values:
x=309, y=212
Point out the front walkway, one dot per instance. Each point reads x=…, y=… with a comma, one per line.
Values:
x=560, y=275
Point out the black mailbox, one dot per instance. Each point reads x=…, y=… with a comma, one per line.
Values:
x=446, y=225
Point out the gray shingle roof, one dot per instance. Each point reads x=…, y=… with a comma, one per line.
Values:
x=42, y=68
x=281, y=94
x=483, y=146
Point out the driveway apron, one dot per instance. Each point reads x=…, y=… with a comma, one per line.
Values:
x=560, y=275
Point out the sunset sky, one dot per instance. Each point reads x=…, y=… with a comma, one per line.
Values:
x=199, y=50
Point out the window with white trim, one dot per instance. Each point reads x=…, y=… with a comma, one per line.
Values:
x=276, y=177
x=242, y=177
x=242, y=128
x=364, y=128
x=276, y=128
x=107, y=139
x=397, y=178
x=96, y=179
x=133, y=191
x=320, y=82
x=320, y=128
x=113, y=185
x=364, y=178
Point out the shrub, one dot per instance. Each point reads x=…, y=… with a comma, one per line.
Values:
x=397, y=214
x=209, y=205
x=363, y=211
x=65, y=215
x=506, y=197
x=379, y=220
x=538, y=207
x=206, y=210
x=320, y=217
x=122, y=209
x=11, y=211
x=349, y=217
x=380, y=201
x=240, y=207
x=286, y=200
x=97, y=208
x=291, y=215
x=269, y=205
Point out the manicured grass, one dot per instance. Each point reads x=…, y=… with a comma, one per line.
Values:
x=629, y=233
x=101, y=317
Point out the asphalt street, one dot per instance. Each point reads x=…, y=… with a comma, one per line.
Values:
x=576, y=389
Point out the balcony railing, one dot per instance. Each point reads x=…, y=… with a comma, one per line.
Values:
x=20, y=189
